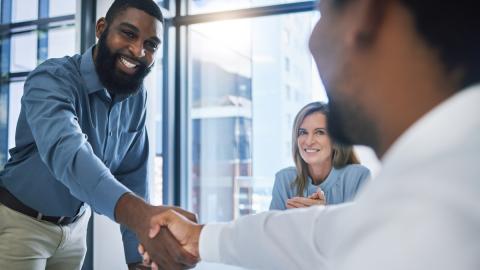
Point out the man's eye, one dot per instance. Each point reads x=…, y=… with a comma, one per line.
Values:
x=153, y=46
x=129, y=34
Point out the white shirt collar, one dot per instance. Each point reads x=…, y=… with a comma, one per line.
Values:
x=441, y=128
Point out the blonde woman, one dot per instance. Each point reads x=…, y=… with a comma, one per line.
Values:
x=324, y=172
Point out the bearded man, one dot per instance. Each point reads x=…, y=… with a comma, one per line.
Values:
x=81, y=142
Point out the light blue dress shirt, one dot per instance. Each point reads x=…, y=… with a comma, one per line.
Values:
x=341, y=185
x=75, y=144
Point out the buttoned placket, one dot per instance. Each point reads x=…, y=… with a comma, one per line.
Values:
x=111, y=120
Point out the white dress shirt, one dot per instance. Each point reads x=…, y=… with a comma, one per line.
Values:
x=421, y=212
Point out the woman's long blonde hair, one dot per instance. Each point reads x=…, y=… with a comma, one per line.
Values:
x=342, y=155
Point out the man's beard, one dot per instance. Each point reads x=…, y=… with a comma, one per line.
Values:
x=348, y=124
x=115, y=80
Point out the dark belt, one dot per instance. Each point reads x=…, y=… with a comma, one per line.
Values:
x=7, y=199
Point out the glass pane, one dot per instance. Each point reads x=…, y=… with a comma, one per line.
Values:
x=203, y=6
x=23, y=55
x=61, y=7
x=14, y=105
x=61, y=42
x=3, y=124
x=24, y=10
x=155, y=106
x=248, y=80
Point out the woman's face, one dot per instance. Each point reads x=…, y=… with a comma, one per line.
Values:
x=313, y=141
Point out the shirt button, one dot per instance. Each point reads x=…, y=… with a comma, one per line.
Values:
x=110, y=134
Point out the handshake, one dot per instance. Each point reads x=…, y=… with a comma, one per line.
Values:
x=173, y=241
x=169, y=236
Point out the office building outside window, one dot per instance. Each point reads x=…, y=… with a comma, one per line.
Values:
x=31, y=31
x=239, y=113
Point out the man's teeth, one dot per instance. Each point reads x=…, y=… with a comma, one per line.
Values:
x=127, y=63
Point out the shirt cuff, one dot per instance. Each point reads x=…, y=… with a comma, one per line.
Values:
x=106, y=196
x=130, y=247
x=209, y=243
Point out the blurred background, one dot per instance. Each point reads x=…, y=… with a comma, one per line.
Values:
x=228, y=81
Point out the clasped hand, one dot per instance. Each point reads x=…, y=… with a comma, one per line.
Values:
x=317, y=198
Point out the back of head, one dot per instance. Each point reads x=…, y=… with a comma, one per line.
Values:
x=453, y=29
x=148, y=6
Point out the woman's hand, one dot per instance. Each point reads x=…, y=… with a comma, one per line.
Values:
x=317, y=198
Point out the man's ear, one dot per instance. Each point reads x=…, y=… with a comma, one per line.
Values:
x=368, y=16
x=100, y=27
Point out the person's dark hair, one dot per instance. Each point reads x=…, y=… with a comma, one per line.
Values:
x=148, y=6
x=452, y=28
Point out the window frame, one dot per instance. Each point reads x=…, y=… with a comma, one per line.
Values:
x=7, y=30
x=176, y=100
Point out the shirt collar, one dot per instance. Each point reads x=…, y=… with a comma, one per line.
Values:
x=328, y=182
x=436, y=131
x=89, y=73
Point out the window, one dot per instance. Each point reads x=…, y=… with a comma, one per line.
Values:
x=24, y=10
x=3, y=124
x=288, y=92
x=238, y=114
x=61, y=7
x=155, y=131
x=26, y=41
x=23, y=54
x=287, y=64
x=202, y=6
x=16, y=91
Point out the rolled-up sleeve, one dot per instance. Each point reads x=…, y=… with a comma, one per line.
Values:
x=49, y=104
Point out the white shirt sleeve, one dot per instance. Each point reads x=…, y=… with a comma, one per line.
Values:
x=292, y=239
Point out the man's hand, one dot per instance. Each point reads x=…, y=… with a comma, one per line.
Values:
x=189, y=215
x=164, y=249
x=185, y=231
x=166, y=252
x=317, y=198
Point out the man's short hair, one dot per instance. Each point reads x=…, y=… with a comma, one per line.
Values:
x=148, y=6
x=452, y=28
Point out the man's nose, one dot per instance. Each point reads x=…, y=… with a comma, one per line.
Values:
x=137, y=49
